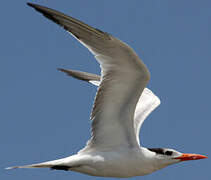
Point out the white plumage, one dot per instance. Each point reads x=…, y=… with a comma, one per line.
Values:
x=121, y=105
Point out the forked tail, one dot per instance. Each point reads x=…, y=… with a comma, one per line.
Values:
x=55, y=164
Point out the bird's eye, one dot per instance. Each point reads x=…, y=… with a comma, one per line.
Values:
x=168, y=153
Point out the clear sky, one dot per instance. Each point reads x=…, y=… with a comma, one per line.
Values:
x=45, y=114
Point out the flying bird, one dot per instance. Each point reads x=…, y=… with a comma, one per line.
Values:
x=121, y=105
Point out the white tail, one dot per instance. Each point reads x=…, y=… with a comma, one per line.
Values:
x=48, y=164
x=41, y=165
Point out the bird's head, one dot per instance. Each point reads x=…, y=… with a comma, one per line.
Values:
x=164, y=157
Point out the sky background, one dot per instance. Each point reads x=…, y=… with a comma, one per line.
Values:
x=44, y=114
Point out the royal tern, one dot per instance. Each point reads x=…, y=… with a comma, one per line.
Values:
x=121, y=104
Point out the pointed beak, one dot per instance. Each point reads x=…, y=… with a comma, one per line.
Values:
x=187, y=157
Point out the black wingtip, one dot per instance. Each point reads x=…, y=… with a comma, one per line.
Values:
x=35, y=6
x=65, y=71
x=31, y=4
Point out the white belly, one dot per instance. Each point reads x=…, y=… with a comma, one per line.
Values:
x=114, y=164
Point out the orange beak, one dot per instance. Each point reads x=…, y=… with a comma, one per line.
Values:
x=187, y=157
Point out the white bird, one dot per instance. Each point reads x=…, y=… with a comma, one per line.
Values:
x=121, y=104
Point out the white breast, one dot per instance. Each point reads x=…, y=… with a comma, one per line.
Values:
x=119, y=163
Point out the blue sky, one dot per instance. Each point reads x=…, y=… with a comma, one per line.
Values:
x=45, y=114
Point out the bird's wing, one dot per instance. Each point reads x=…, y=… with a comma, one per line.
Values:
x=84, y=76
x=147, y=103
x=123, y=78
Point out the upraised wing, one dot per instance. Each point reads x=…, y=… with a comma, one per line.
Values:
x=147, y=102
x=123, y=79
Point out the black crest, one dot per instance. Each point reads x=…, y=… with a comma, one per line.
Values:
x=161, y=151
x=157, y=150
